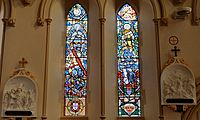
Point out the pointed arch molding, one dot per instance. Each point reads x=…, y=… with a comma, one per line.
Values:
x=8, y=18
x=44, y=12
x=195, y=17
x=163, y=13
x=42, y=15
x=102, y=6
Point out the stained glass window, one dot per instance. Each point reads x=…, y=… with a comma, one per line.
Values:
x=128, y=62
x=76, y=61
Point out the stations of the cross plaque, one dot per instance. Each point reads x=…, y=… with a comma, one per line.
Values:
x=22, y=63
x=175, y=50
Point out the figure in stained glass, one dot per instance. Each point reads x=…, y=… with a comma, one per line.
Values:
x=76, y=61
x=128, y=62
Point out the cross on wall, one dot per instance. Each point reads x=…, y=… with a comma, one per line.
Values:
x=175, y=50
x=22, y=63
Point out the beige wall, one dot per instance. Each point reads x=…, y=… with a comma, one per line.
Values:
x=28, y=40
x=1, y=24
x=188, y=36
x=25, y=40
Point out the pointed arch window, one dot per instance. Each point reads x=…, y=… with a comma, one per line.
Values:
x=128, y=62
x=76, y=61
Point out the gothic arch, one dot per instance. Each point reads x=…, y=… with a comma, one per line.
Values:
x=44, y=8
x=195, y=12
x=157, y=6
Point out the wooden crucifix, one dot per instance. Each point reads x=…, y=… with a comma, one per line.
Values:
x=175, y=50
x=22, y=63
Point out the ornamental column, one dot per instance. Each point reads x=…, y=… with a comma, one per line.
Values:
x=44, y=102
x=102, y=22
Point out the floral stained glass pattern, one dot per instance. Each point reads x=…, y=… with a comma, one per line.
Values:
x=76, y=61
x=128, y=63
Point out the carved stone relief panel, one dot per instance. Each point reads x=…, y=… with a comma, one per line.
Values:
x=20, y=96
x=178, y=85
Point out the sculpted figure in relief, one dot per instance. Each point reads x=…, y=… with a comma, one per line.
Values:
x=178, y=85
x=18, y=99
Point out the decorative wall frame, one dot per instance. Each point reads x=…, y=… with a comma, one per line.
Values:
x=177, y=84
x=20, y=95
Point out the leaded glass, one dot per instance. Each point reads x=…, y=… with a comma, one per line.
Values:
x=76, y=61
x=128, y=62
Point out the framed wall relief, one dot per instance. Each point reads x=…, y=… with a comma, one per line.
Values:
x=177, y=84
x=19, y=97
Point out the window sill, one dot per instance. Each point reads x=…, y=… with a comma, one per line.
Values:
x=130, y=118
x=74, y=118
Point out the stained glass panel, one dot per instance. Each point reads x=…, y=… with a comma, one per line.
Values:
x=128, y=62
x=76, y=61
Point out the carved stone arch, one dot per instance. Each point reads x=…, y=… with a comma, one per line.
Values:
x=67, y=5
x=163, y=13
x=8, y=18
x=43, y=11
x=102, y=6
x=1, y=3
x=195, y=12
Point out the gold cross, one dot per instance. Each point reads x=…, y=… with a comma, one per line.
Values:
x=22, y=63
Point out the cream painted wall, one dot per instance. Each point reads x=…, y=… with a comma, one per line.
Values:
x=28, y=40
x=56, y=61
x=1, y=25
x=148, y=57
x=25, y=40
x=111, y=61
x=188, y=36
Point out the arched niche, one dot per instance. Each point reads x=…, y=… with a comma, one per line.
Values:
x=19, y=98
x=178, y=85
